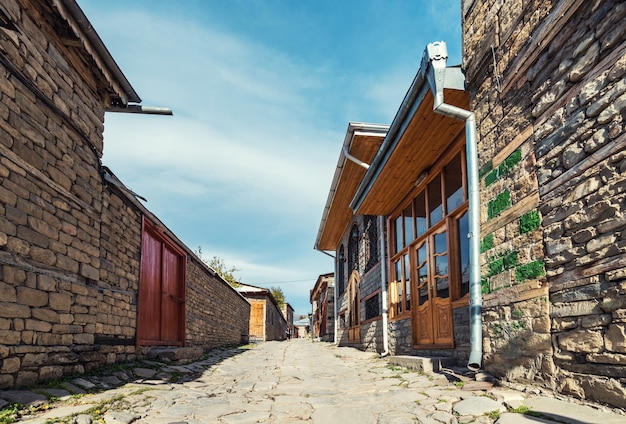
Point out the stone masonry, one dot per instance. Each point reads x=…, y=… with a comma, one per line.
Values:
x=547, y=81
x=70, y=244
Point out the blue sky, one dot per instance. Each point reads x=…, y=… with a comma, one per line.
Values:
x=262, y=93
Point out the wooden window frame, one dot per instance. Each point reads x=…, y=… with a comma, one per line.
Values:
x=449, y=221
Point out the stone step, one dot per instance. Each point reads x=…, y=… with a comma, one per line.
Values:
x=422, y=363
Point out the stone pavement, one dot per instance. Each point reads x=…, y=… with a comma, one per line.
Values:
x=294, y=381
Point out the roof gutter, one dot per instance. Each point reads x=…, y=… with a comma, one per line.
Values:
x=437, y=54
x=107, y=65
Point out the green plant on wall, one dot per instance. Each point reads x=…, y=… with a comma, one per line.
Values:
x=504, y=168
x=499, y=204
x=486, y=243
x=529, y=271
x=503, y=261
x=529, y=221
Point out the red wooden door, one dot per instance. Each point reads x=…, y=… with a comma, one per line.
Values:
x=161, y=314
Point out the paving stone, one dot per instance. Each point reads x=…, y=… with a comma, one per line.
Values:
x=478, y=406
x=57, y=393
x=144, y=372
x=82, y=419
x=72, y=388
x=88, y=385
x=23, y=397
x=59, y=412
x=117, y=417
x=307, y=382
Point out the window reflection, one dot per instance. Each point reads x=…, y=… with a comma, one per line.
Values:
x=419, y=207
x=454, y=183
x=464, y=259
x=435, y=209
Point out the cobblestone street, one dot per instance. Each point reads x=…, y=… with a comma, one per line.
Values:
x=295, y=382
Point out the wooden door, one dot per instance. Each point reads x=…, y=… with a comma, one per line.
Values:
x=432, y=316
x=257, y=320
x=161, y=309
x=354, y=308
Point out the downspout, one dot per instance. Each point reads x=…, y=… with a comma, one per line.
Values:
x=438, y=55
x=347, y=154
x=335, y=341
x=383, y=287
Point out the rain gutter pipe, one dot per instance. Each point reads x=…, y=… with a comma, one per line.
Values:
x=347, y=154
x=438, y=55
x=383, y=287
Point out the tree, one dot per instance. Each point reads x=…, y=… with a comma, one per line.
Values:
x=219, y=266
x=278, y=294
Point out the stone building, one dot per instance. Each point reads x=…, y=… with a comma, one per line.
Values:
x=288, y=311
x=266, y=317
x=544, y=82
x=356, y=240
x=548, y=86
x=82, y=262
x=323, y=308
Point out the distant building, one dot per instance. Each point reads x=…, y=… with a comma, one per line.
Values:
x=266, y=318
x=287, y=311
x=323, y=305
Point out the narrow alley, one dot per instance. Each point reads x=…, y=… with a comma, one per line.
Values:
x=297, y=381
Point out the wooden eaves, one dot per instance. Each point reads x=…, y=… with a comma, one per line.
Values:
x=416, y=138
x=361, y=141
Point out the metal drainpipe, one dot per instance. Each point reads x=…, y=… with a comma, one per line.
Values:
x=336, y=342
x=383, y=287
x=438, y=56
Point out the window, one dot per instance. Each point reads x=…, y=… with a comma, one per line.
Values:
x=341, y=276
x=372, y=307
x=353, y=250
x=369, y=244
x=429, y=241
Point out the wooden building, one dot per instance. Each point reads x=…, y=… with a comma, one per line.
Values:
x=266, y=318
x=529, y=281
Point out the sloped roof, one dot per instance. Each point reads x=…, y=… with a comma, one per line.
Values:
x=361, y=142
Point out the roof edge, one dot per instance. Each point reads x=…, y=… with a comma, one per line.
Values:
x=353, y=128
x=94, y=45
x=423, y=82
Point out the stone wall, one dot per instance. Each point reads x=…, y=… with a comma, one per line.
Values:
x=547, y=84
x=370, y=279
x=51, y=123
x=216, y=314
x=70, y=245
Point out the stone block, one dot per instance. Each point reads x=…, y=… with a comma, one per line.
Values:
x=50, y=371
x=10, y=365
x=31, y=297
x=8, y=292
x=84, y=338
x=34, y=359
x=60, y=302
x=26, y=378
x=45, y=315
x=575, y=308
x=14, y=310
x=588, y=341
x=596, y=320
x=6, y=381
x=615, y=338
